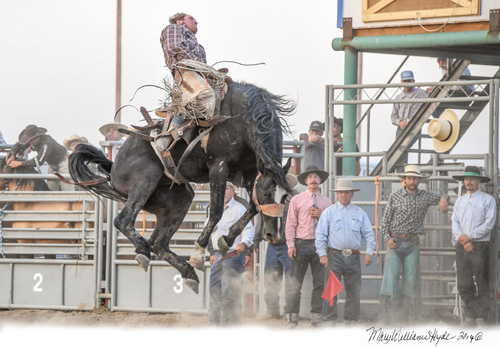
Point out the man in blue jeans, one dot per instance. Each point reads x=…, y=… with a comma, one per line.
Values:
x=402, y=224
x=339, y=233
x=226, y=281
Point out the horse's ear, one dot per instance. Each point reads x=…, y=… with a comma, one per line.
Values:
x=287, y=165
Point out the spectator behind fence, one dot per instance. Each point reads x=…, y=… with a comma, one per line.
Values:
x=403, y=113
x=48, y=150
x=473, y=220
x=304, y=211
x=338, y=146
x=73, y=141
x=111, y=133
x=314, y=154
x=402, y=224
x=2, y=140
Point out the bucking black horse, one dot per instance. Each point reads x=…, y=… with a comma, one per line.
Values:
x=246, y=149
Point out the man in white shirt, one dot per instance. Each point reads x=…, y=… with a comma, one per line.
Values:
x=225, y=274
x=473, y=219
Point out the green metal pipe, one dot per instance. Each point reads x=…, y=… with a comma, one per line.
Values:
x=364, y=43
x=349, y=125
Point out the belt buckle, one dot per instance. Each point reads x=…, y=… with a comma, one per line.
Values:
x=346, y=252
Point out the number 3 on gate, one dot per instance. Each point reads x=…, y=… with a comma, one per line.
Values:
x=36, y=287
x=179, y=287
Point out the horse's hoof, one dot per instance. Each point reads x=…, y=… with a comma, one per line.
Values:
x=192, y=284
x=197, y=262
x=143, y=261
x=223, y=247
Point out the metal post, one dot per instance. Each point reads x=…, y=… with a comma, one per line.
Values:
x=118, y=86
x=349, y=138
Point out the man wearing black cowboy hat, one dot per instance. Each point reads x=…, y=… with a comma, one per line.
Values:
x=473, y=220
x=303, y=215
x=48, y=150
x=401, y=226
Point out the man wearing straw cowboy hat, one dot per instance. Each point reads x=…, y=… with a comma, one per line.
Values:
x=402, y=224
x=473, y=220
x=340, y=230
x=303, y=214
x=73, y=141
x=48, y=150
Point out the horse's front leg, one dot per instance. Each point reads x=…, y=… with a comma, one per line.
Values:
x=226, y=242
x=217, y=190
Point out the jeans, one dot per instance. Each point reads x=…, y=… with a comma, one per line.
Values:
x=472, y=265
x=348, y=268
x=306, y=255
x=277, y=263
x=225, y=290
x=400, y=300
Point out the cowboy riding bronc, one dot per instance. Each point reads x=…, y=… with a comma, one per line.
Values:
x=202, y=87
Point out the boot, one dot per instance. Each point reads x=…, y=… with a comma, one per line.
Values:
x=292, y=320
x=316, y=320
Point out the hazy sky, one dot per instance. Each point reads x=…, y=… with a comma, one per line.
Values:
x=57, y=61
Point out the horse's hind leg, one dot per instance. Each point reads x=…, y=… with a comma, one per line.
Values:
x=170, y=213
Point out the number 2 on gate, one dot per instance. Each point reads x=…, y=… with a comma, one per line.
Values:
x=36, y=287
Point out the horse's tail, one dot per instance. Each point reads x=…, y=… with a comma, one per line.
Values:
x=88, y=163
x=268, y=112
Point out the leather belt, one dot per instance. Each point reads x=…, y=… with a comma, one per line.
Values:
x=404, y=236
x=346, y=251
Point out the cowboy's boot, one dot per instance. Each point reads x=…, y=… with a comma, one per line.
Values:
x=292, y=320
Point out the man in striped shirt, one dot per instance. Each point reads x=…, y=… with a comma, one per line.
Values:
x=402, y=224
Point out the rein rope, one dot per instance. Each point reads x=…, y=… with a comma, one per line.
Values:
x=1, y=220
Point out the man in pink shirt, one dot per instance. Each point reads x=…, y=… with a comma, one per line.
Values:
x=303, y=215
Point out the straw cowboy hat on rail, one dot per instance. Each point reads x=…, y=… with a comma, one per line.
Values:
x=30, y=132
x=444, y=131
x=413, y=171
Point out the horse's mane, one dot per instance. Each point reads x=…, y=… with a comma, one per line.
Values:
x=266, y=112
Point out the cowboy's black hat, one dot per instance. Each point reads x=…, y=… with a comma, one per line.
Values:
x=323, y=175
x=472, y=171
x=30, y=132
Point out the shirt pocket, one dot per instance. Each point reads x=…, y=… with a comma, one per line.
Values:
x=337, y=224
x=478, y=215
x=355, y=225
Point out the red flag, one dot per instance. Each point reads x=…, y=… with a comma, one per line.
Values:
x=332, y=288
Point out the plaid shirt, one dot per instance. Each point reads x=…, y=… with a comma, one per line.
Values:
x=405, y=213
x=405, y=112
x=179, y=43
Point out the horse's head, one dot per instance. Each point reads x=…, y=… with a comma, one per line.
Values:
x=19, y=184
x=271, y=212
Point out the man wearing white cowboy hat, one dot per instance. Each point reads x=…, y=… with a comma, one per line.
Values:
x=303, y=214
x=401, y=226
x=225, y=274
x=48, y=150
x=473, y=220
x=73, y=141
x=402, y=113
x=111, y=133
x=340, y=230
